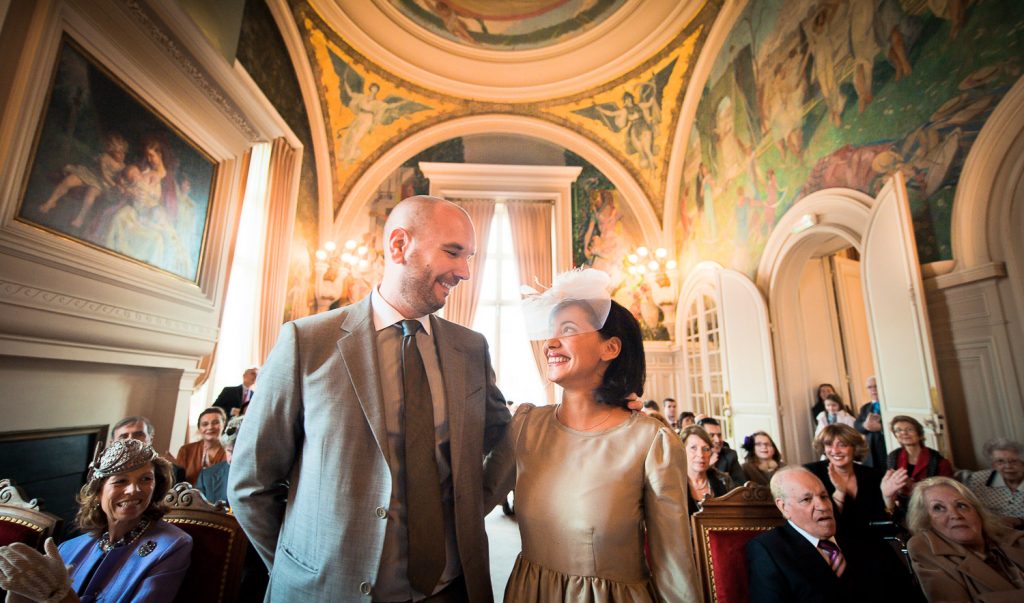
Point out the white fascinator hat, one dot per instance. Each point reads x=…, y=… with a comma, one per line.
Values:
x=546, y=315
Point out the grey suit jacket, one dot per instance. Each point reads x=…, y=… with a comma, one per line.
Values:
x=310, y=480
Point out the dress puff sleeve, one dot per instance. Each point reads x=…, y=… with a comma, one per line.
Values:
x=668, y=522
x=503, y=459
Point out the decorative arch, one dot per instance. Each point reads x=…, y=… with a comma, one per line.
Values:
x=990, y=182
x=359, y=196
x=820, y=223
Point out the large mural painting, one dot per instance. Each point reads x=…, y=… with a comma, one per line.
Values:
x=604, y=235
x=813, y=94
x=519, y=25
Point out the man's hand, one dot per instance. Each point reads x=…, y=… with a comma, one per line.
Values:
x=873, y=422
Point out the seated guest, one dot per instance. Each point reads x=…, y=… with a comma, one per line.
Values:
x=128, y=553
x=834, y=413
x=960, y=551
x=213, y=481
x=686, y=418
x=207, y=452
x=650, y=406
x=806, y=559
x=234, y=400
x=918, y=460
x=702, y=477
x=141, y=429
x=1001, y=488
x=763, y=458
x=669, y=407
x=860, y=494
x=723, y=457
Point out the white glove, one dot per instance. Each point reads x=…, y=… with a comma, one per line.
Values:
x=27, y=572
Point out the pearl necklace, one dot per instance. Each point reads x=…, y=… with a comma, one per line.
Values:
x=106, y=546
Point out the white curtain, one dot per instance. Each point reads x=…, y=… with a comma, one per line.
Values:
x=461, y=305
x=531, y=239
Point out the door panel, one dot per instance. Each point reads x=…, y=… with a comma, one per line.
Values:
x=894, y=300
x=854, y=324
x=749, y=369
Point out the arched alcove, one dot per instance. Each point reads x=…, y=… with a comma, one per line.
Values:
x=819, y=224
x=632, y=195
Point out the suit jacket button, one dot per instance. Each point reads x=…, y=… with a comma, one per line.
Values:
x=364, y=587
x=382, y=512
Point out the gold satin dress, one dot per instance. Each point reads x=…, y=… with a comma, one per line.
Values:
x=583, y=500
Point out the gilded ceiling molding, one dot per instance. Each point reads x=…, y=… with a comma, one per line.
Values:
x=612, y=47
x=187, y=63
x=368, y=110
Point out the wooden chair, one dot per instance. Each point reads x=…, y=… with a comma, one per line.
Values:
x=721, y=530
x=23, y=521
x=218, y=546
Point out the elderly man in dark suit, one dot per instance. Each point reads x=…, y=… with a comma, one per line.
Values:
x=382, y=420
x=803, y=560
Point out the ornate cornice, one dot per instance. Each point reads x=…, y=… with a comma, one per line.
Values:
x=188, y=65
x=55, y=301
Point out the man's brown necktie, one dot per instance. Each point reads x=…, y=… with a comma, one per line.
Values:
x=424, y=517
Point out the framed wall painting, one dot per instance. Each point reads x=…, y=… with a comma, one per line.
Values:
x=108, y=171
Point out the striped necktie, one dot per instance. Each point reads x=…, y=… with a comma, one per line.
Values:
x=835, y=557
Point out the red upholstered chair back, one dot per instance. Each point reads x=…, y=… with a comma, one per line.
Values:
x=721, y=530
x=218, y=546
x=23, y=521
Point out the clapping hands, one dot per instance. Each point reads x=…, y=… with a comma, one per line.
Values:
x=30, y=575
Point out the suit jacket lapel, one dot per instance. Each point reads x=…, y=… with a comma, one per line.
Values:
x=452, y=360
x=810, y=559
x=358, y=347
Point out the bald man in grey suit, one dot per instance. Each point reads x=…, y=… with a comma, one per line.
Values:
x=318, y=476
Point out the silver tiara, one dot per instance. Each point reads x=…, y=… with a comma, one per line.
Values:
x=121, y=456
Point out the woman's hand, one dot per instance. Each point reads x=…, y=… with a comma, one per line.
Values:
x=845, y=484
x=634, y=402
x=31, y=574
x=892, y=483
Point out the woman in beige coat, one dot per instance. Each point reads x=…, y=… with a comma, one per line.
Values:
x=960, y=551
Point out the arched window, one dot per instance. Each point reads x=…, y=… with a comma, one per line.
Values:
x=705, y=383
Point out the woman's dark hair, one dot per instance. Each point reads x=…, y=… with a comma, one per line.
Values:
x=213, y=410
x=628, y=371
x=750, y=441
x=835, y=398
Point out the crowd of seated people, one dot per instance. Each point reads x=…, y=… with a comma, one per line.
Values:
x=965, y=539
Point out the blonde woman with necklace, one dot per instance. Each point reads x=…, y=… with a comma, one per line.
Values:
x=594, y=481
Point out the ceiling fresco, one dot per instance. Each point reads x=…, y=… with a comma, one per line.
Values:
x=367, y=110
x=509, y=25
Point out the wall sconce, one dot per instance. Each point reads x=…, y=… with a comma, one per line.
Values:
x=339, y=271
x=658, y=275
